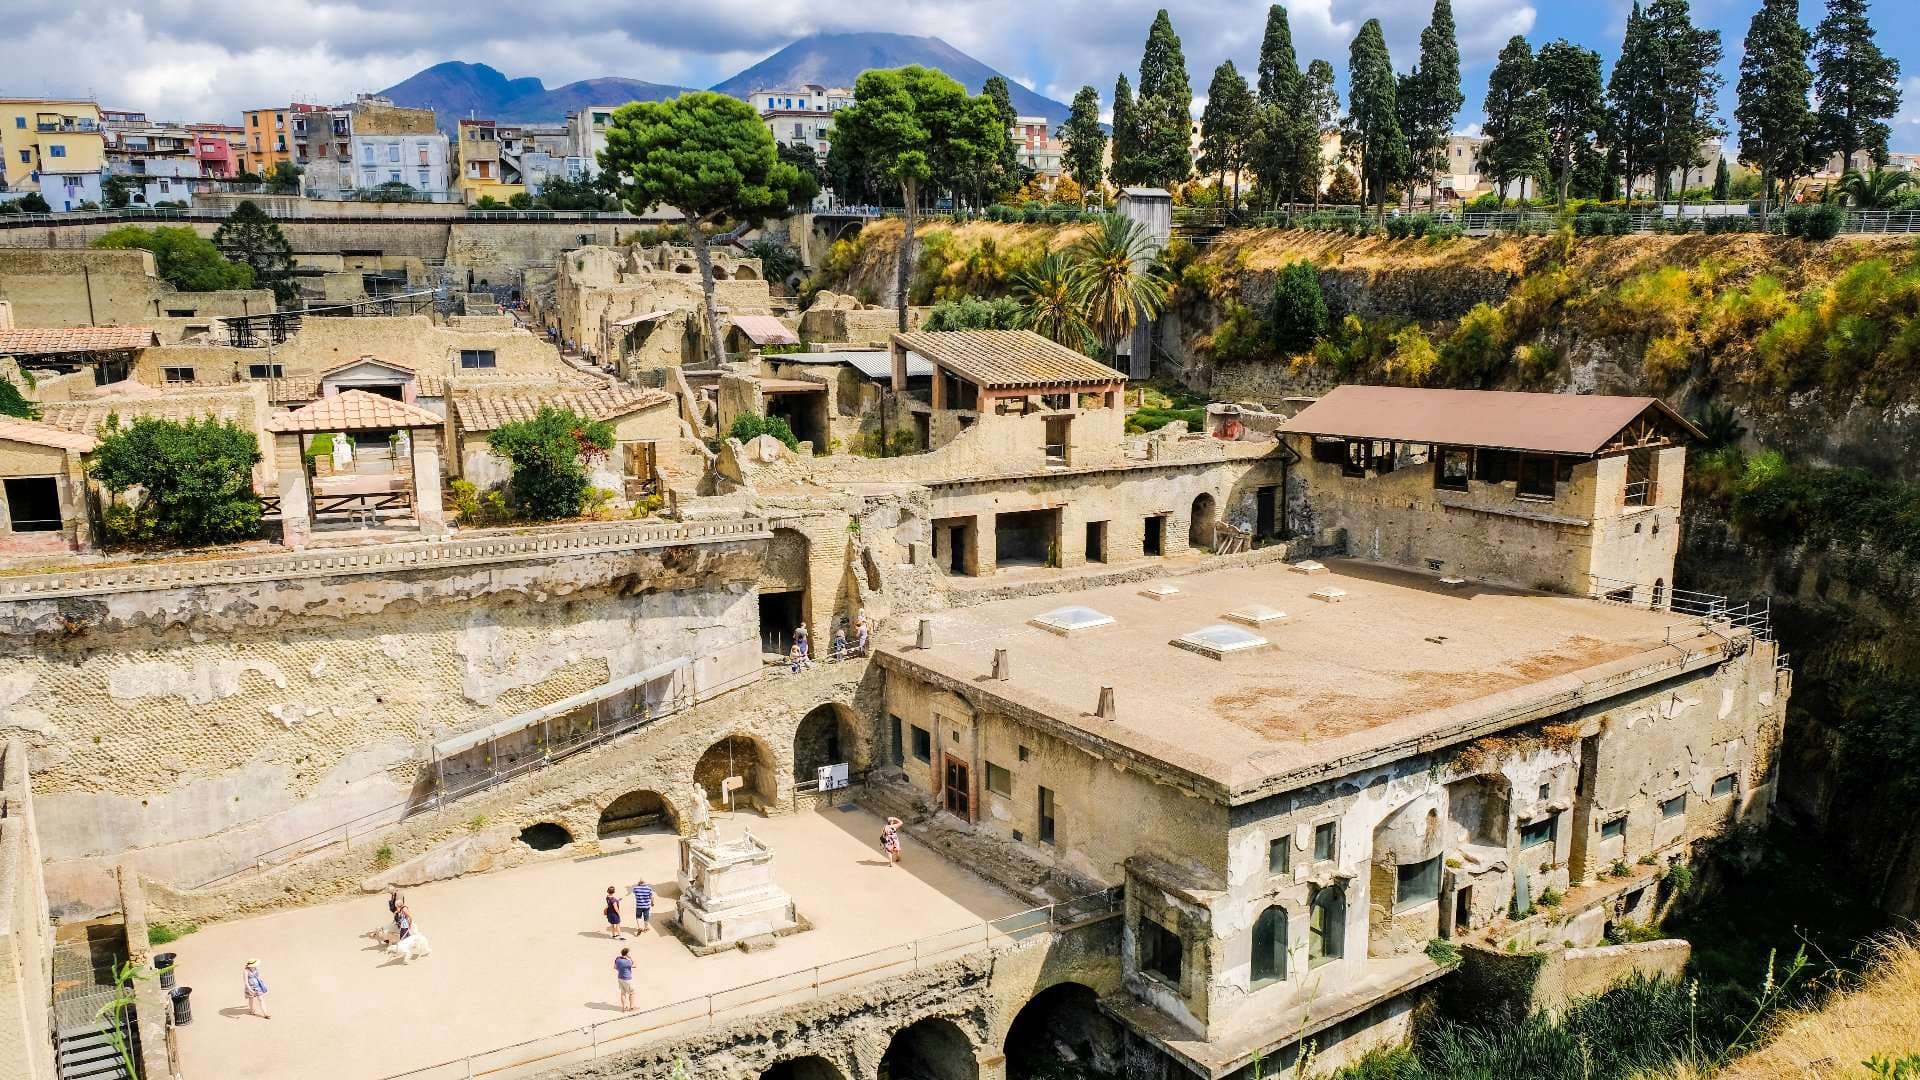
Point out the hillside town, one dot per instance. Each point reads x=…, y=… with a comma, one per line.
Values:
x=892, y=577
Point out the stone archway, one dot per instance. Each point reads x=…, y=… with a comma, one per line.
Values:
x=825, y=737
x=1200, y=524
x=738, y=755
x=1062, y=1032
x=807, y=1068
x=638, y=812
x=935, y=1048
x=745, y=273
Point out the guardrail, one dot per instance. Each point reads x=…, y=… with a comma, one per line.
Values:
x=1704, y=608
x=679, y=1019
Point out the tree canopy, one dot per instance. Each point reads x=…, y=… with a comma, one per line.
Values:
x=1516, y=124
x=1227, y=126
x=252, y=239
x=194, y=480
x=1152, y=139
x=1124, y=170
x=1776, y=125
x=1371, y=134
x=709, y=156
x=549, y=455
x=1429, y=97
x=1687, y=85
x=1858, y=86
x=1086, y=143
x=183, y=258
x=1572, y=108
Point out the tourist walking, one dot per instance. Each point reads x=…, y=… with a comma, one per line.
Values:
x=860, y=636
x=623, y=974
x=613, y=913
x=890, y=840
x=256, y=992
x=402, y=922
x=642, y=906
x=801, y=642
x=839, y=644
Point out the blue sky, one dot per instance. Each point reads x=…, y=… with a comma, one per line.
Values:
x=208, y=59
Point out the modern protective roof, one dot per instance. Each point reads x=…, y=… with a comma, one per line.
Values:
x=873, y=363
x=486, y=410
x=1544, y=423
x=1008, y=359
x=45, y=340
x=765, y=330
x=354, y=410
x=35, y=433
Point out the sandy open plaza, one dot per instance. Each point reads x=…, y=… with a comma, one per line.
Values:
x=524, y=953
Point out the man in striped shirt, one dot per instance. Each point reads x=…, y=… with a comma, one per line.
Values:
x=642, y=905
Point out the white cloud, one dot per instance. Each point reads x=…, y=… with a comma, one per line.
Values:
x=209, y=59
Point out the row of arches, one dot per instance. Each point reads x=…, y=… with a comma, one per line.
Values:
x=825, y=736
x=1060, y=1031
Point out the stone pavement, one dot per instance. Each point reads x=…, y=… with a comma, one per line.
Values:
x=524, y=953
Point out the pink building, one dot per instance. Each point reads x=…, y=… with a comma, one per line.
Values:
x=217, y=147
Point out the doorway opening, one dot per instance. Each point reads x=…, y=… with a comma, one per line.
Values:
x=1096, y=541
x=1154, y=543
x=780, y=615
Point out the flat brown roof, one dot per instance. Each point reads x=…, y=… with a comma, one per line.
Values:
x=1398, y=665
x=1499, y=419
x=1008, y=359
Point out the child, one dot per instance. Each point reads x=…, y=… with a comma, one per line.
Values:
x=890, y=840
x=256, y=992
x=613, y=914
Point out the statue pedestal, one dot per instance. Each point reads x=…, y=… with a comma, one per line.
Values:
x=728, y=893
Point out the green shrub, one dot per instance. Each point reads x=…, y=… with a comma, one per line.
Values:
x=1443, y=952
x=750, y=426
x=195, y=480
x=165, y=933
x=184, y=259
x=14, y=403
x=973, y=313
x=320, y=446
x=1298, y=312
x=549, y=455
x=383, y=856
x=1550, y=897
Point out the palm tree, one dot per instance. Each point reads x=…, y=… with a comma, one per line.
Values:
x=1119, y=281
x=1049, y=294
x=1721, y=425
x=1874, y=190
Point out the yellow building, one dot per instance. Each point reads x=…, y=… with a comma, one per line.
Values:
x=269, y=134
x=54, y=147
x=482, y=170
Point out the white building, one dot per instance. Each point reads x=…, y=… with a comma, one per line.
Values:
x=368, y=144
x=801, y=116
x=587, y=135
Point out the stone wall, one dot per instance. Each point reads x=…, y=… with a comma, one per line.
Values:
x=26, y=936
x=269, y=711
x=110, y=288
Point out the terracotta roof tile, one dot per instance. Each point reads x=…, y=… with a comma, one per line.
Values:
x=89, y=415
x=488, y=409
x=39, y=434
x=44, y=340
x=1008, y=359
x=765, y=330
x=1501, y=419
x=354, y=410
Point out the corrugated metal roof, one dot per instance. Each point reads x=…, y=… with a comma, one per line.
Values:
x=354, y=410
x=1545, y=423
x=765, y=330
x=45, y=340
x=489, y=409
x=35, y=433
x=874, y=364
x=634, y=320
x=1008, y=359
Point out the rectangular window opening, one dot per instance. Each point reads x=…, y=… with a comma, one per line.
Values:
x=1533, y=834
x=1324, y=836
x=476, y=358
x=1045, y=833
x=1615, y=829
x=1726, y=786
x=1452, y=466
x=1419, y=883
x=922, y=743
x=999, y=780
x=33, y=503
x=177, y=374
x=1674, y=807
x=1161, y=951
x=1280, y=855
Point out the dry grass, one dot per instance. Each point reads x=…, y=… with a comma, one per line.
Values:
x=1881, y=1016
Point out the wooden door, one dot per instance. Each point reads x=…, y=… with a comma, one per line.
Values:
x=958, y=788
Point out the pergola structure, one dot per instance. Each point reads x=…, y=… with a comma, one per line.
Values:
x=344, y=413
x=973, y=369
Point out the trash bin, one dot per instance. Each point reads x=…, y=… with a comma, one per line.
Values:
x=163, y=963
x=182, y=1007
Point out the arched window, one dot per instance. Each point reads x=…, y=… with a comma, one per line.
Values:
x=1327, y=930
x=1270, y=947
x=1659, y=592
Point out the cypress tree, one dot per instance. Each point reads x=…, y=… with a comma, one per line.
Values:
x=1687, y=87
x=1722, y=180
x=1273, y=151
x=1164, y=113
x=1227, y=126
x=1125, y=170
x=1569, y=81
x=1516, y=124
x=1858, y=86
x=1776, y=126
x=1633, y=114
x=1086, y=144
x=1315, y=116
x=1004, y=171
x=1435, y=97
x=1371, y=132
x=1279, y=74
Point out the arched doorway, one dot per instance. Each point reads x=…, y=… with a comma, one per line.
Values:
x=930, y=1049
x=1062, y=1032
x=637, y=812
x=745, y=757
x=823, y=738
x=806, y=1068
x=1659, y=593
x=1200, y=525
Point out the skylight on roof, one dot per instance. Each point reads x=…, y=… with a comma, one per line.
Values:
x=1160, y=590
x=1256, y=614
x=1072, y=620
x=1220, y=641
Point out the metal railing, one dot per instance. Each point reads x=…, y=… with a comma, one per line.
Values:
x=679, y=1019
x=1703, y=608
x=1639, y=493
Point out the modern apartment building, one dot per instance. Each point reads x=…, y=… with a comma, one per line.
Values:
x=53, y=146
x=801, y=116
x=368, y=144
x=268, y=136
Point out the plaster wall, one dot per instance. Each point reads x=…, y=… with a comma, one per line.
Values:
x=26, y=935
x=109, y=288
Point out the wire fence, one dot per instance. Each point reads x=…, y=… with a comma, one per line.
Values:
x=693, y=1015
